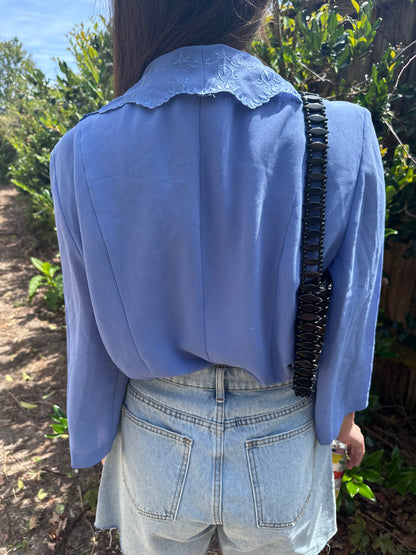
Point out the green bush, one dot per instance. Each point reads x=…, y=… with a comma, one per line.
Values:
x=60, y=425
x=39, y=118
x=14, y=62
x=47, y=279
x=322, y=52
x=7, y=152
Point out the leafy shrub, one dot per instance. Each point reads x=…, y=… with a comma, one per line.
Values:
x=60, y=425
x=7, y=152
x=47, y=110
x=54, y=294
x=323, y=51
x=14, y=62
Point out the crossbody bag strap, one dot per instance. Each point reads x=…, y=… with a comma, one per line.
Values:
x=315, y=287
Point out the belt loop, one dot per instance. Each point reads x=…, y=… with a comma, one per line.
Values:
x=219, y=384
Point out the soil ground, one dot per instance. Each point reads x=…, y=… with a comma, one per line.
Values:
x=47, y=507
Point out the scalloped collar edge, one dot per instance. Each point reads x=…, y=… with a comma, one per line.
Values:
x=205, y=70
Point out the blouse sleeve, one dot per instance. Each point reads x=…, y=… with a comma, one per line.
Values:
x=345, y=367
x=95, y=387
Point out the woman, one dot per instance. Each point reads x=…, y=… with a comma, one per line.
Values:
x=178, y=210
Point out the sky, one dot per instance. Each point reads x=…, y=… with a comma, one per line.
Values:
x=42, y=26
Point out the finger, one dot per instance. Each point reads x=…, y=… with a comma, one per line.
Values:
x=351, y=459
x=355, y=453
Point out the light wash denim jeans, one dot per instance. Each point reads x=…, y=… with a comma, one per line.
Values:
x=216, y=449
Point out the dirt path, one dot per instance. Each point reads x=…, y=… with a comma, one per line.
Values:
x=42, y=498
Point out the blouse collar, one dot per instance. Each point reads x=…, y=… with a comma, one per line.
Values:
x=205, y=70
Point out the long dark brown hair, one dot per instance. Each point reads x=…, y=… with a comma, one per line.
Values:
x=146, y=29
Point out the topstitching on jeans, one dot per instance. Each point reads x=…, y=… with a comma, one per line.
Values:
x=170, y=411
x=262, y=417
x=226, y=424
x=219, y=446
x=156, y=429
x=171, y=514
x=268, y=440
x=233, y=387
x=186, y=443
x=179, y=384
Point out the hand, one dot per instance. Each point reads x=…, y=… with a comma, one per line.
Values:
x=351, y=435
x=103, y=461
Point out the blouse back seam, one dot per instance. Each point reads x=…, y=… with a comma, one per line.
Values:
x=107, y=252
x=59, y=203
x=204, y=329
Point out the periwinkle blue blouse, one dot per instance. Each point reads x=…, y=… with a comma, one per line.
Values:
x=178, y=209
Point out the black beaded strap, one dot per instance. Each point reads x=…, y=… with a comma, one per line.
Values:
x=315, y=285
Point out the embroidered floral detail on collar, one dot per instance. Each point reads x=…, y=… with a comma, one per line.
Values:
x=203, y=70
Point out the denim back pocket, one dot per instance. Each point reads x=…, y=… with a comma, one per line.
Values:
x=155, y=464
x=281, y=487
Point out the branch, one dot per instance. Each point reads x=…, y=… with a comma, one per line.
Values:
x=403, y=68
x=277, y=24
x=395, y=135
x=315, y=74
x=406, y=47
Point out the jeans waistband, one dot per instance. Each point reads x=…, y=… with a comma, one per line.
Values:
x=219, y=378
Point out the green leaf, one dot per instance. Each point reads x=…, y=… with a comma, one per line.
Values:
x=343, y=58
x=355, y=473
x=353, y=41
x=58, y=428
x=385, y=544
x=92, y=52
x=90, y=497
x=57, y=411
x=389, y=232
x=371, y=475
x=53, y=270
x=366, y=492
x=92, y=69
x=374, y=459
x=46, y=268
x=34, y=285
x=301, y=23
x=316, y=37
x=52, y=299
x=352, y=488
x=38, y=264
x=332, y=22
